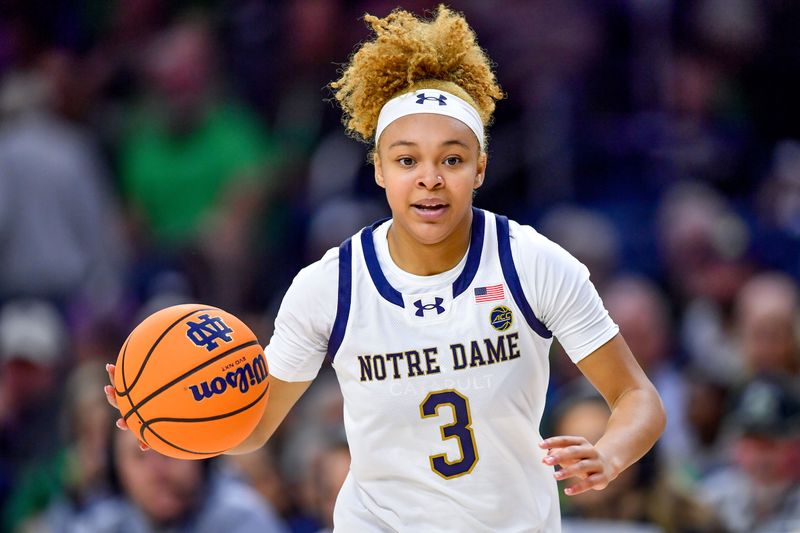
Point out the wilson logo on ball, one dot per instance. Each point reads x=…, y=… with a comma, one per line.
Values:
x=208, y=331
x=244, y=377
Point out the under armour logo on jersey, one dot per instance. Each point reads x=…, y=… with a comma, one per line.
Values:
x=442, y=99
x=429, y=307
x=207, y=332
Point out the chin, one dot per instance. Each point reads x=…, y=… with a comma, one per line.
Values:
x=431, y=236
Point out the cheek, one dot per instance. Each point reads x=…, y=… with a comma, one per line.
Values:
x=397, y=192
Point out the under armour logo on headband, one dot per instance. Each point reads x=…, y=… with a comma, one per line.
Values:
x=441, y=98
x=450, y=105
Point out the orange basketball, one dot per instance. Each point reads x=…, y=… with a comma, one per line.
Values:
x=191, y=381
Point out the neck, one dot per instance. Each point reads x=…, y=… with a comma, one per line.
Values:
x=423, y=259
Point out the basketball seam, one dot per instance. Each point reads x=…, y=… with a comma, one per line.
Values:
x=152, y=348
x=125, y=383
x=162, y=439
x=135, y=408
x=147, y=425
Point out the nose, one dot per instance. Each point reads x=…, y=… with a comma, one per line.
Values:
x=430, y=179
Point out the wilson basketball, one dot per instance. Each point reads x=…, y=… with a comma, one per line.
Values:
x=191, y=381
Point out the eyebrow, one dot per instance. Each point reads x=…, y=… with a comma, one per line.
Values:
x=445, y=143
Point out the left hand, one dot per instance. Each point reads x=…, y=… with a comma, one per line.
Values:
x=578, y=458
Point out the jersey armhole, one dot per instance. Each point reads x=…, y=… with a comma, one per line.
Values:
x=512, y=278
x=344, y=295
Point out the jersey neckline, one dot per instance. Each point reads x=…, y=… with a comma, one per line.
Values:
x=461, y=283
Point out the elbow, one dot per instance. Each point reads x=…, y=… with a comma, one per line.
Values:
x=659, y=412
x=254, y=441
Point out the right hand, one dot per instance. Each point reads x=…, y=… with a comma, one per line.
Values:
x=111, y=396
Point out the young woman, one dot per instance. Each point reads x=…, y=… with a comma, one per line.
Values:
x=438, y=321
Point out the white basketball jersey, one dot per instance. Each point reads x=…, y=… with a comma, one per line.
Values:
x=443, y=395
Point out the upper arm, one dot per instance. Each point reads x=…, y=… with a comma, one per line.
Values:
x=562, y=295
x=613, y=370
x=304, y=322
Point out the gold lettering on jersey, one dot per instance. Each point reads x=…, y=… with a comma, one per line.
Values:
x=424, y=362
x=398, y=364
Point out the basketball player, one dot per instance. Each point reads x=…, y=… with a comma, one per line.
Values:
x=438, y=321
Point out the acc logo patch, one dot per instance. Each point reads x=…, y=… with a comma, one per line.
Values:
x=501, y=318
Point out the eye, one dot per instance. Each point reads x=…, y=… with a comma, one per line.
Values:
x=452, y=161
x=405, y=161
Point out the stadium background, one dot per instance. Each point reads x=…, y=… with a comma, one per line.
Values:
x=160, y=152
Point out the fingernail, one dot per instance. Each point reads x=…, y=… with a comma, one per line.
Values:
x=568, y=491
x=119, y=423
x=548, y=459
x=108, y=366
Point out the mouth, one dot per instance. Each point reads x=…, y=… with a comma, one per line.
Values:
x=429, y=209
x=429, y=206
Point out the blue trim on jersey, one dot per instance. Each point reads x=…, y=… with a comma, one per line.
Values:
x=345, y=292
x=512, y=278
x=381, y=283
x=464, y=280
x=461, y=283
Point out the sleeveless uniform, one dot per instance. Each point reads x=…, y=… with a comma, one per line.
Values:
x=443, y=377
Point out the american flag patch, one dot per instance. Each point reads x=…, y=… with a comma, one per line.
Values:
x=490, y=293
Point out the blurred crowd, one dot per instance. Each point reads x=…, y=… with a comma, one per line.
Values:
x=154, y=153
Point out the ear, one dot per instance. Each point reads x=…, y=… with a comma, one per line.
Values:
x=481, y=170
x=376, y=162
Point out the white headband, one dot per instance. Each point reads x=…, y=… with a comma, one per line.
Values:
x=430, y=101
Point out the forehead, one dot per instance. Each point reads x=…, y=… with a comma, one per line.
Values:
x=427, y=129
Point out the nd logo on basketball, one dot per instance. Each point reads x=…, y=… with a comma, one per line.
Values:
x=244, y=377
x=501, y=318
x=206, y=332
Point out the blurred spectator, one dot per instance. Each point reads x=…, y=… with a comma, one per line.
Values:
x=332, y=467
x=780, y=196
x=77, y=475
x=588, y=235
x=703, y=243
x=760, y=491
x=314, y=423
x=777, y=207
x=705, y=406
x=32, y=340
x=158, y=494
x=59, y=228
x=584, y=413
x=640, y=310
x=195, y=166
x=611, y=106
x=260, y=470
x=768, y=325
x=640, y=500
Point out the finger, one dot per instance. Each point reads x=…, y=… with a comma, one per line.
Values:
x=111, y=369
x=561, y=441
x=570, y=455
x=121, y=424
x=111, y=396
x=142, y=446
x=581, y=470
x=594, y=482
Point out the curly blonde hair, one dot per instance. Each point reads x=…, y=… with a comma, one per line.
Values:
x=407, y=54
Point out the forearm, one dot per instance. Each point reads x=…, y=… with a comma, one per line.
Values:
x=283, y=396
x=637, y=420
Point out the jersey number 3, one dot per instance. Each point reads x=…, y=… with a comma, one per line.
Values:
x=460, y=429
